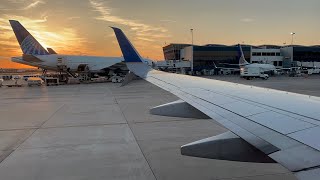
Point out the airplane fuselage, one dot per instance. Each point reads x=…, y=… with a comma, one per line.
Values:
x=265, y=67
x=52, y=61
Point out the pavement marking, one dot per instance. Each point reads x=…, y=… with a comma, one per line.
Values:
x=134, y=136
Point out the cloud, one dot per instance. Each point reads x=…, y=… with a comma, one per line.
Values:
x=17, y=1
x=33, y=5
x=168, y=21
x=247, y=20
x=73, y=17
x=143, y=31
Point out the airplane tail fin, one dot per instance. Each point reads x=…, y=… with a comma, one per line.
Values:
x=214, y=64
x=29, y=45
x=131, y=56
x=51, y=51
x=242, y=59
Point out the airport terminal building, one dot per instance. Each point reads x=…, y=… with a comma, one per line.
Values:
x=215, y=55
x=173, y=51
x=301, y=55
x=267, y=54
x=211, y=56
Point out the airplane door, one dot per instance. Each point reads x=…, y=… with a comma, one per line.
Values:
x=62, y=63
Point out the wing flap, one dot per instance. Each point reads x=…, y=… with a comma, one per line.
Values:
x=308, y=136
x=280, y=123
x=297, y=158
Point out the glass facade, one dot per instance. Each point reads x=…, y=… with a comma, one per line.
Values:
x=306, y=54
x=206, y=57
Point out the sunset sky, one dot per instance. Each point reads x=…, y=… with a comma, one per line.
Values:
x=81, y=27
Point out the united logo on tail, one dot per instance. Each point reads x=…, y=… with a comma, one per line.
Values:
x=29, y=45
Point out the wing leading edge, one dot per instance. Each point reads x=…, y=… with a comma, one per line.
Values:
x=282, y=125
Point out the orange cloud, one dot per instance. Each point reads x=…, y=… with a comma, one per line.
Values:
x=33, y=5
x=147, y=37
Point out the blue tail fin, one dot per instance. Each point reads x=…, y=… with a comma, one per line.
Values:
x=242, y=60
x=130, y=54
x=29, y=45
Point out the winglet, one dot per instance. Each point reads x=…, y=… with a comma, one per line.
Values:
x=130, y=54
x=242, y=60
x=29, y=45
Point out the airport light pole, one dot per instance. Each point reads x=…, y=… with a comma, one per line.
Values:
x=292, y=34
x=191, y=30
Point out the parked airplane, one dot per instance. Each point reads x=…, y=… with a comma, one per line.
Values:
x=226, y=69
x=284, y=126
x=243, y=63
x=35, y=55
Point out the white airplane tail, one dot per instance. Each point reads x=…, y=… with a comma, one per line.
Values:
x=242, y=59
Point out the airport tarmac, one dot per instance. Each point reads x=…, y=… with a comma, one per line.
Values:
x=104, y=131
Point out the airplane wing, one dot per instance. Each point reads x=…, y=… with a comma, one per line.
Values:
x=282, y=125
